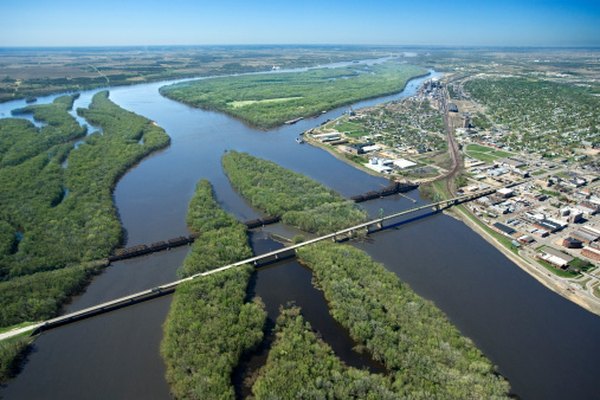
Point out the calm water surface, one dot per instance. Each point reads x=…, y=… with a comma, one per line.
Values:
x=546, y=346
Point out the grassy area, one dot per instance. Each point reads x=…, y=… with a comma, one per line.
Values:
x=486, y=154
x=270, y=100
x=211, y=323
x=16, y=326
x=244, y=103
x=12, y=352
x=299, y=201
x=557, y=271
x=426, y=356
x=505, y=241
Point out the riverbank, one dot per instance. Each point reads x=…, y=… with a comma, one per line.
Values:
x=553, y=283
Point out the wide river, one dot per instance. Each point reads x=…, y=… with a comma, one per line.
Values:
x=546, y=346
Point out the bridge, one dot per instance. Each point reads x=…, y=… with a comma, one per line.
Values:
x=368, y=227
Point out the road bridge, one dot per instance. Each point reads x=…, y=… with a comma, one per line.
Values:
x=368, y=227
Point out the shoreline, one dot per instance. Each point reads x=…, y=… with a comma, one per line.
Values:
x=555, y=284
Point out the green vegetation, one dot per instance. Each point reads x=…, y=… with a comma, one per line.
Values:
x=211, y=324
x=557, y=271
x=12, y=352
x=577, y=264
x=56, y=215
x=25, y=73
x=20, y=141
x=426, y=356
x=411, y=123
x=269, y=100
x=40, y=296
x=301, y=366
x=299, y=201
x=484, y=153
x=543, y=116
x=222, y=239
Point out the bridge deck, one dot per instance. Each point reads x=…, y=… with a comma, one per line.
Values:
x=170, y=287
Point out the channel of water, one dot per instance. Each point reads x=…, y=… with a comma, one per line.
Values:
x=545, y=345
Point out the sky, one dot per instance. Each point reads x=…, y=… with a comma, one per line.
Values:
x=385, y=22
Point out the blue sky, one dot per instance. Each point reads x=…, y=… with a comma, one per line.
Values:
x=400, y=22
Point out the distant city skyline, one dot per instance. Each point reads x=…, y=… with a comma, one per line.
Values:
x=188, y=22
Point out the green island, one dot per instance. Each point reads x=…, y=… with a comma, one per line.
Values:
x=269, y=100
x=211, y=324
x=302, y=366
x=298, y=200
x=426, y=355
x=57, y=212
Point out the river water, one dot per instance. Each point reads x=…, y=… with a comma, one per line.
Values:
x=546, y=346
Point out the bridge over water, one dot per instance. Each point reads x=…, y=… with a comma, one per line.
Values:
x=368, y=227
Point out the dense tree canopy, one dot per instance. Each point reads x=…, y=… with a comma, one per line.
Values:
x=57, y=207
x=301, y=366
x=269, y=100
x=427, y=356
x=211, y=323
x=300, y=201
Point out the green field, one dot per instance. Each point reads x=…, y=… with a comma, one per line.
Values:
x=269, y=100
x=484, y=153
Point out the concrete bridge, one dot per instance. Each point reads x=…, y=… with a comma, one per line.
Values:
x=368, y=227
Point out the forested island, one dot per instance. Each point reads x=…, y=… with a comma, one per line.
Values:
x=426, y=357
x=266, y=101
x=298, y=200
x=211, y=324
x=58, y=214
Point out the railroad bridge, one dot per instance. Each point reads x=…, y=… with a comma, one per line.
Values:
x=369, y=227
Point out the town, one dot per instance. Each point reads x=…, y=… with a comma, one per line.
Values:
x=551, y=222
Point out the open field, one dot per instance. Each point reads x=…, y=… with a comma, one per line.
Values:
x=484, y=153
x=270, y=100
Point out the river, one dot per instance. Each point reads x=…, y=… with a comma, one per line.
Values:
x=545, y=345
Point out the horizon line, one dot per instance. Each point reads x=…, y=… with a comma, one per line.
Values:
x=481, y=46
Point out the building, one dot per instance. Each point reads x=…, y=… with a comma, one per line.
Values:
x=586, y=234
x=403, y=163
x=555, y=257
x=589, y=208
x=328, y=137
x=379, y=165
x=506, y=192
x=370, y=148
x=504, y=228
x=591, y=253
x=452, y=107
x=572, y=243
